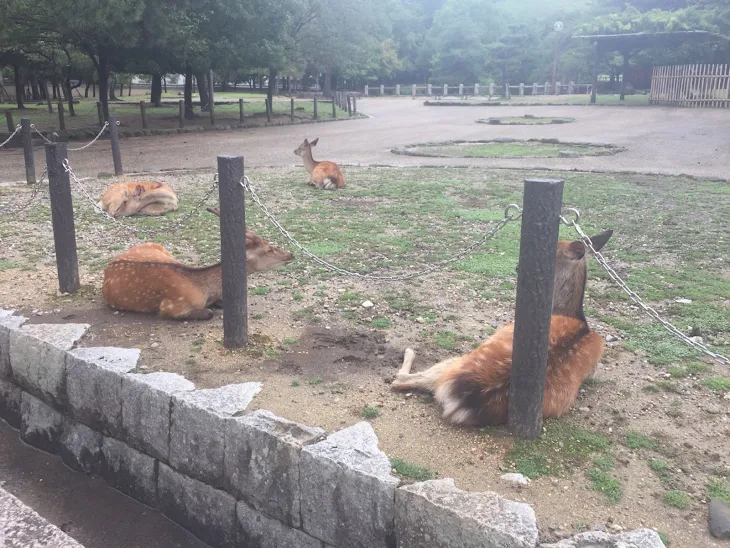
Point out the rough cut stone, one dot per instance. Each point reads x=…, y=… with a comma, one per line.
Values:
x=21, y=527
x=94, y=385
x=129, y=471
x=515, y=479
x=255, y=530
x=10, y=403
x=262, y=462
x=343, y=479
x=146, y=407
x=38, y=358
x=8, y=322
x=641, y=538
x=197, y=428
x=719, y=518
x=80, y=447
x=439, y=515
x=208, y=513
x=40, y=424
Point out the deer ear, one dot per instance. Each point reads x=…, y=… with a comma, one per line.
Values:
x=601, y=239
x=576, y=250
x=314, y=143
x=138, y=190
x=305, y=143
x=214, y=211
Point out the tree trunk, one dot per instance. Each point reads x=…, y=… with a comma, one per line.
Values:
x=18, y=87
x=121, y=89
x=129, y=93
x=624, y=72
x=54, y=86
x=86, y=91
x=188, y=94
x=156, y=90
x=271, y=88
x=327, y=88
x=69, y=93
x=93, y=89
x=202, y=90
x=164, y=83
x=34, y=89
x=103, y=71
x=112, y=90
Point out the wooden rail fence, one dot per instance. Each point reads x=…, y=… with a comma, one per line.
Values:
x=705, y=86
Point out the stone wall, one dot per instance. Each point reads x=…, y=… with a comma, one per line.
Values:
x=234, y=479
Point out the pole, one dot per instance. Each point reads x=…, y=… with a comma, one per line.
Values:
x=116, y=149
x=62, y=215
x=268, y=106
x=334, y=108
x=212, y=101
x=9, y=119
x=233, y=251
x=61, y=118
x=240, y=110
x=181, y=113
x=143, y=111
x=292, y=109
x=535, y=279
x=595, y=74
x=315, y=107
x=27, y=140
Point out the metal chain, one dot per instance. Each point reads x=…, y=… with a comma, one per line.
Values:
x=508, y=216
x=36, y=190
x=13, y=134
x=103, y=128
x=638, y=300
x=132, y=229
x=48, y=141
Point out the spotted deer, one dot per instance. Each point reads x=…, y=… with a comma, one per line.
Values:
x=323, y=175
x=473, y=389
x=146, y=198
x=147, y=278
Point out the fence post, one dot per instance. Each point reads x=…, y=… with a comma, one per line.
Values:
x=181, y=113
x=367, y=90
x=461, y=89
x=116, y=149
x=382, y=90
x=354, y=104
x=62, y=215
x=233, y=251
x=240, y=110
x=446, y=89
x=27, y=139
x=61, y=118
x=571, y=84
x=534, y=88
x=533, y=309
x=491, y=90
x=334, y=108
x=506, y=90
x=547, y=88
x=143, y=111
x=100, y=114
x=349, y=105
x=9, y=119
x=413, y=91
x=315, y=107
x=397, y=89
x=292, y=109
x=557, y=88
x=476, y=89
x=211, y=94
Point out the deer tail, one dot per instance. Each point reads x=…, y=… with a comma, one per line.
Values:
x=329, y=184
x=470, y=399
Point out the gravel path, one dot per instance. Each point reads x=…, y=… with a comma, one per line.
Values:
x=659, y=140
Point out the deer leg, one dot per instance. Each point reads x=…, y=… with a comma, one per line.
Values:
x=181, y=308
x=426, y=381
x=152, y=209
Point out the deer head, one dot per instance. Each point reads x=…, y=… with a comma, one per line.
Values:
x=306, y=148
x=260, y=254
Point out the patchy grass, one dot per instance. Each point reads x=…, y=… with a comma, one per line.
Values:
x=718, y=384
x=662, y=468
x=260, y=291
x=635, y=440
x=314, y=381
x=607, y=484
x=677, y=499
x=498, y=149
x=289, y=340
x=664, y=538
x=380, y=323
x=369, y=412
x=411, y=471
x=294, y=383
x=718, y=490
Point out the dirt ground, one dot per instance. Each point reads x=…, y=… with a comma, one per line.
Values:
x=326, y=360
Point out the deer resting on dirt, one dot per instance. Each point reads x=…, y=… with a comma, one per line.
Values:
x=474, y=389
x=326, y=175
x=147, y=278
x=148, y=198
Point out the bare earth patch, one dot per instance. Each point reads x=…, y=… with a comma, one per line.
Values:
x=654, y=420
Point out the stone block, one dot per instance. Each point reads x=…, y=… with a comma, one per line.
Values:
x=10, y=403
x=438, y=515
x=38, y=358
x=719, y=519
x=129, y=471
x=343, y=479
x=94, y=385
x=255, y=530
x=80, y=447
x=197, y=428
x=641, y=538
x=21, y=527
x=261, y=464
x=8, y=322
x=40, y=424
x=146, y=408
x=208, y=513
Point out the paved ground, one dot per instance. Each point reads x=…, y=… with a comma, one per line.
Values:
x=659, y=140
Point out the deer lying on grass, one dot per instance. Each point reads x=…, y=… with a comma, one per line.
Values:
x=474, y=389
x=147, y=278
x=149, y=198
x=326, y=175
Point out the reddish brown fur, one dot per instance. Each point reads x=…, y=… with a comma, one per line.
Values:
x=147, y=278
x=474, y=389
x=326, y=175
x=143, y=198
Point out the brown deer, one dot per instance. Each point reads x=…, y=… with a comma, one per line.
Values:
x=323, y=175
x=474, y=389
x=147, y=278
x=146, y=198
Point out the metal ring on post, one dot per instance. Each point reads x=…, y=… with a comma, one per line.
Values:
x=570, y=211
x=512, y=216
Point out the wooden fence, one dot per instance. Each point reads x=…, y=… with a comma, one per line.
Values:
x=691, y=86
x=445, y=90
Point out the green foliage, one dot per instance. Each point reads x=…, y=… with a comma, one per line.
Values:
x=718, y=384
x=408, y=470
x=718, y=490
x=369, y=412
x=677, y=499
x=607, y=484
x=635, y=440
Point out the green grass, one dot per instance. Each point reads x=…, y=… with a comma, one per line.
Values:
x=314, y=381
x=297, y=296
x=524, y=149
x=662, y=468
x=718, y=384
x=294, y=383
x=380, y=323
x=370, y=413
x=605, y=462
x=260, y=291
x=635, y=440
x=411, y=471
x=664, y=538
x=718, y=490
x=677, y=499
x=607, y=484
x=8, y=265
x=697, y=368
x=446, y=340
x=289, y=340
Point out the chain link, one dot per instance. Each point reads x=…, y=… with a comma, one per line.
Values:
x=37, y=188
x=13, y=134
x=134, y=230
x=639, y=301
x=48, y=141
x=508, y=216
x=87, y=145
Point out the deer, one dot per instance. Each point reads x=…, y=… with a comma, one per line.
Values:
x=323, y=175
x=473, y=389
x=145, y=198
x=147, y=278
